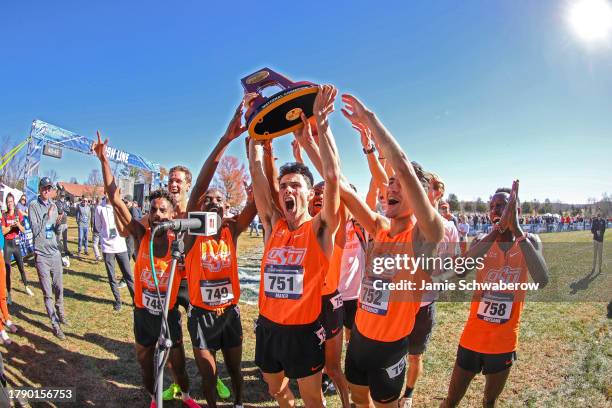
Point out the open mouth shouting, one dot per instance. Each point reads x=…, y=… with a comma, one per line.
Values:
x=289, y=204
x=392, y=201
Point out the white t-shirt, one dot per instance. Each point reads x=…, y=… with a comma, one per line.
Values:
x=105, y=222
x=352, y=265
x=464, y=229
x=447, y=248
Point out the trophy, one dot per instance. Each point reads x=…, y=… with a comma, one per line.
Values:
x=279, y=114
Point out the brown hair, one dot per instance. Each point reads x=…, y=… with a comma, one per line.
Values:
x=184, y=170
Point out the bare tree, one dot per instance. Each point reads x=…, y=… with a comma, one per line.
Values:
x=94, y=178
x=12, y=173
x=73, y=180
x=52, y=174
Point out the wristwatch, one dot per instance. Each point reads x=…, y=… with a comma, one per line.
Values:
x=370, y=150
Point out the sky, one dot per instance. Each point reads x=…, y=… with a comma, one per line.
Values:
x=479, y=92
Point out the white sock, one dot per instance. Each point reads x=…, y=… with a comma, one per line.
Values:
x=9, y=323
x=185, y=396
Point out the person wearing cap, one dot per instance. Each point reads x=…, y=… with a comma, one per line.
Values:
x=45, y=221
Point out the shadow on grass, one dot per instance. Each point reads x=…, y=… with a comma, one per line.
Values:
x=85, y=298
x=583, y=283
x=97, y=381
x=87, y=275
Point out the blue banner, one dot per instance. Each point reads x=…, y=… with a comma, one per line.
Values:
x=43, y=133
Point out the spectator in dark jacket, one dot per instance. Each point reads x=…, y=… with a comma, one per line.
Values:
x=598, y=228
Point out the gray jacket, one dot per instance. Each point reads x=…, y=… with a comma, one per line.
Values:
x=83, y=215
x=43, y=227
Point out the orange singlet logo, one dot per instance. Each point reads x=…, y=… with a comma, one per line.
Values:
x=285, y=256
x=146, y=277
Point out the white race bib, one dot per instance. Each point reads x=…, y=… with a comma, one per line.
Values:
x=284, y=281
x=217, y=292
x=152, y=302
x=336, y=301
x=495, y=307
x=397, y=368
x=373, y=300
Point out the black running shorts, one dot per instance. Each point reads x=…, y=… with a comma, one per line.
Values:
x=487, y=363
x=379, y=365
x=332, y=314
x=211, y=331
x=298, y=350
x=147, y=327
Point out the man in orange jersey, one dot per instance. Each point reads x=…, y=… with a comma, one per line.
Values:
x=179, y=184
x=375, y=362
x=490, y=336
x=332, y=308
x=298, y=247
x=148, y=305
x=212, y=272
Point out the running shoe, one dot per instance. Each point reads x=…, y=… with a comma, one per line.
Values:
x=172, y=392
x=11, y=326
x=122, y=284
x=325, y=383
x=222, y=391
x=5, y=338
x=405, y=402
x=29, y=291
x=57, y=331
x=153, y=405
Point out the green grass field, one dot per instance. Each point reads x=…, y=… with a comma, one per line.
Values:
x=565, y=348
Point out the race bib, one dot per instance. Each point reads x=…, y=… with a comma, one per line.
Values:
x=153, y=304
x=372, y=300
x=284, y=281
x=217, y=292
x=495, y=307
x=336, y=301
x=49, y=233
x=397, y=368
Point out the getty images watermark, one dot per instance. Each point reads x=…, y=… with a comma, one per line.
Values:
x=442, y=269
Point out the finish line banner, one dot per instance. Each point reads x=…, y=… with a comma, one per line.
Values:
x=43, y=133
x=64, y=138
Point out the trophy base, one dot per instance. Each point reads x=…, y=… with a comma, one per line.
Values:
x=281, y=113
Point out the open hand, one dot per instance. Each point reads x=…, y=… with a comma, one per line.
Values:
x=235, y=127
x=324, y=102
x=354, y=110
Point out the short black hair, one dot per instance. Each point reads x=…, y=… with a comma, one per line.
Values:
x=503, y=190
x=296, y=168
x=161, y=193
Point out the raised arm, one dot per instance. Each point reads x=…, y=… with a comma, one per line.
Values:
x=529, y=244
x=306, y=140
x=429, y=220
x=376, y=169
x=369, y=219
x=122, y=213
x=270, y=171
x=329, y=217
x=207, y=172
x=243, y=220
x=267, y=210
